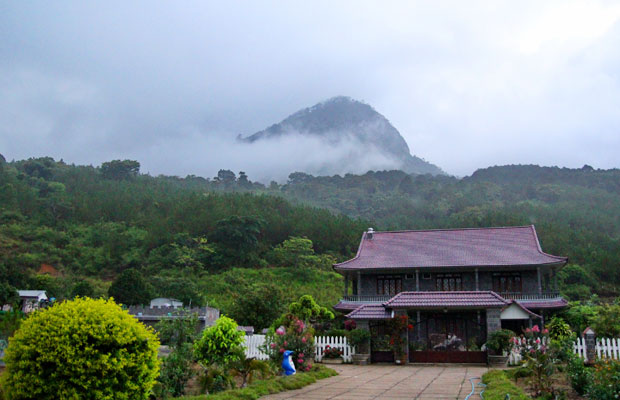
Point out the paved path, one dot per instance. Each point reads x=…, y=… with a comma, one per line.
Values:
x=390, y=382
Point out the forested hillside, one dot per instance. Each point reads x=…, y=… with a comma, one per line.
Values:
x=240, y=245
x=184, y=237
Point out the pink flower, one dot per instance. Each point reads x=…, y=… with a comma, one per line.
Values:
x=536, y=329
x=537, y=340
x=545, y=331
x=280, y=331
x=299, y=360
x=285, y=343
x=273, y=345
x=301, y=354
x=281, y=350
x=303, y=340
x=528, y=330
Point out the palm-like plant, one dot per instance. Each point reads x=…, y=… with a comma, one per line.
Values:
x=247, y=368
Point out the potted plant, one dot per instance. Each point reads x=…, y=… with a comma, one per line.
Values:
x=498, y=345
x=360, y=338
x=332, y=355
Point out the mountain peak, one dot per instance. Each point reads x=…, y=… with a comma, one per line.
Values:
x=342, y=120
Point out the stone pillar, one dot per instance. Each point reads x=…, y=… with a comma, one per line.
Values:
x=494, y=322
x=590, y=338
x=477, y=282
x=539, y=280
x=555, y=280
x=346, y=285
x=417, y=280
x=359, y=283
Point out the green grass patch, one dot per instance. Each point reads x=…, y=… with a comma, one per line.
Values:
x=271, y=386
x=498, y=385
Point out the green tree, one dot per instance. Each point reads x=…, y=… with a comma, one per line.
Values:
x=258, y=305
x=81, y=349
x=607, y=321
x=119, y=170
x=130, y=288
x=8, y=295
x=306, y=309
x=82, y=288
x=220, y=344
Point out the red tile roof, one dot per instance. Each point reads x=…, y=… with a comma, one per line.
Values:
x=482, y=299
x=344, y=305
x=475, y=247
x=370, y=311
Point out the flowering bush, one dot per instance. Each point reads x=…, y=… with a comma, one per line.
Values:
x=538, y=360
x=605, y=383
x=332, y=352
x=292, y=335
x=398, y=326
x=349, y=325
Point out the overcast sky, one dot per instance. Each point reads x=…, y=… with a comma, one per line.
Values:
x=468, y=84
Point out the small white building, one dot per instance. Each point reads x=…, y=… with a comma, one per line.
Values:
x=31, y=299
x=166, y=302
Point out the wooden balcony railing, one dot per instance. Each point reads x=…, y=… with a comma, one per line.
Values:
x=547, y=295
x=366, y=299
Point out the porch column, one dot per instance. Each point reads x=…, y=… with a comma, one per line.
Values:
x=417, y=280
x=398, y=313
x=418, y=320
x=359, y=283
x=346, y=285
x=539, y=280
x=363, y=348
x=555, y=279
x=477, y=284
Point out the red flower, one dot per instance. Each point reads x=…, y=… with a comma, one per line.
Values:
x=410, y=327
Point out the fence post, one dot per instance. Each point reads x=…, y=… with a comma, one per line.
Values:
x=590, y=338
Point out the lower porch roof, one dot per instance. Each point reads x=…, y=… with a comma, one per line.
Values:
x=464, y=299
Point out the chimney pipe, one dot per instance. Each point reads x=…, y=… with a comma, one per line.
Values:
x=370, y=233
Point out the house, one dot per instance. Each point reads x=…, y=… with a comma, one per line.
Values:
x=32, y=300
x=166, y=302
x=168, y=310
x=455, y=286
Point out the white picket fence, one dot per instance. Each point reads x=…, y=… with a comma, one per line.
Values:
x=606, y=348
x=253, y=343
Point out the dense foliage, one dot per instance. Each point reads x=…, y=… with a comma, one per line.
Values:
x=228, y=241
x=87, y=349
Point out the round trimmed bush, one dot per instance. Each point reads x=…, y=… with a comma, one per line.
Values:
x=81, y=349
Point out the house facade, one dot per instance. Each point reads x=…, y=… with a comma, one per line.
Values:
x=455, y=286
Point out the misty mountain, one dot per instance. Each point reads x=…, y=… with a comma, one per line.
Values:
x=351, y=136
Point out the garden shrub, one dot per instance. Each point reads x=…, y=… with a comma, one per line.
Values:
x=295, y=335
x=81, y=349
x=220, y=344
x=605, y=381
x=499, y=341
x=578, y=374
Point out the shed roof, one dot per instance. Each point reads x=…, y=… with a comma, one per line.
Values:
x=32, y=293
x=370, y=311
x=472, y=247
x=446, y=300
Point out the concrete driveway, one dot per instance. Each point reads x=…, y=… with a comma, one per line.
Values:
x=390, y=382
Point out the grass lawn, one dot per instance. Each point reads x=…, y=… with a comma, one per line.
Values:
x=498, y=385
x=272, y=385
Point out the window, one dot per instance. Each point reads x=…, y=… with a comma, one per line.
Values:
x=448, y=282
x=389, y=285
x=507, y=282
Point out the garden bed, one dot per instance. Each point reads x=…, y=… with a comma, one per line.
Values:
x=270, y=386
x=498, y=385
